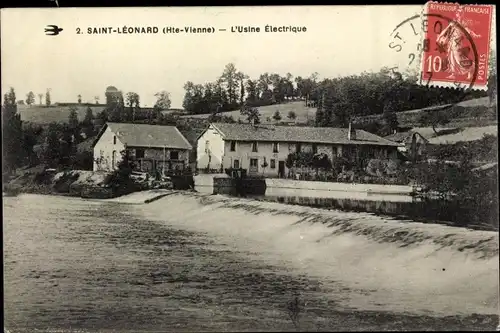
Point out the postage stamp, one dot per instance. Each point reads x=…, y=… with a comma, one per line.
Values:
x=456, y=45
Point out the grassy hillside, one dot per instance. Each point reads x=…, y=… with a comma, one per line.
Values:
x=462, y=134
x=302, y=112
x=474, y=112
x=41, y=114
x=57, y=113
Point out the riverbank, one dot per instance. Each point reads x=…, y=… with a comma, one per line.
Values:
x=80, y=183
x=379, y=263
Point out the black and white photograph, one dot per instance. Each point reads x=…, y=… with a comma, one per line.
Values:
x=265, y=168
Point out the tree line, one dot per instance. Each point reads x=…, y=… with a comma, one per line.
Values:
x=234, y=89
x=339, y=100
x=30, y=99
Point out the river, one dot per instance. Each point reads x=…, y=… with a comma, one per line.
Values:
x=76, y=265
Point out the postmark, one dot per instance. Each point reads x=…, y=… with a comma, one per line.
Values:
x=456, y=45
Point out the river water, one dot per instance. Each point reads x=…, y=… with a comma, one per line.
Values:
x=88, y=266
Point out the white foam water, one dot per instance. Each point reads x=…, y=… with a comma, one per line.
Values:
x=370, y=262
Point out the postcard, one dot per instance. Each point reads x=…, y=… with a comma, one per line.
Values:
x=300, y=168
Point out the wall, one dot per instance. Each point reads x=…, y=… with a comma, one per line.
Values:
x=297, y=188
x=158, y=155
x=213, y=157
x=207, y=183
x=329, y=186
x=243, y=153
x=103, y=151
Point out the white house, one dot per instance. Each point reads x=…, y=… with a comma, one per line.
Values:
x=263, y=149
x=153, y=147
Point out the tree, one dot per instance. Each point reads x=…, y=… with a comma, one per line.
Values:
x=52, y=148
x=321, y=161
x=31, y=133
x=30, y=98
x=115, y=105
x=434, y=118
x=40, y=96
x=11, y=132
x=47, y=98
x=292, y=115
x=67, y=145
x=73, y=117
x=277, y=116
x=390, y=119
x=163, y=101
x=133, y=102
x=240, y=76
x=120, y=180
x=230, y=78
x=252, y=114
x=88, y=123
x=79, y=99
x=193, y=98
x=252, y=93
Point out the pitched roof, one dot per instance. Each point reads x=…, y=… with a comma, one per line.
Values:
x=404, y=136
x=144, y=135
x=486, y=166
x=327, y=135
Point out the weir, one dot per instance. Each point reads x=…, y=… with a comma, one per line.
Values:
x=374, y=262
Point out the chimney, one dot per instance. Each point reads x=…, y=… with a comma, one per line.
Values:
x=352, y=133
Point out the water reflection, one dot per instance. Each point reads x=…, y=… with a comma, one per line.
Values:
x=453, y=212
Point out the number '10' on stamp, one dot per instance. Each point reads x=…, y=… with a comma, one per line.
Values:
x=456, y=45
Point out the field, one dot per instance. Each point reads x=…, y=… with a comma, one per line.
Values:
x=44, y=115
x=461, y=135
x=60, y=113
x=302, y=112
x=474, y=112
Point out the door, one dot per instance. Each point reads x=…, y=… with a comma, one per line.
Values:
x=254, y=166
x=281, y=169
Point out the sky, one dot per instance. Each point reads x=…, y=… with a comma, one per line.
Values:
x=339, y=40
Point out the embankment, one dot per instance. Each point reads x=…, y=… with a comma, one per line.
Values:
x=369, y=262
x=86, y=184
x=40, y=181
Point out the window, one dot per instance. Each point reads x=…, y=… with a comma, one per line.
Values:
x=298, y=147
x=114, y=140
x=335, y=151
x=314, y=148
x=254, y=146
x=174, y=155
x=254, y=162
x=275, y=147
x=207, y=146
x=236, y=164
x=273, y=164
x=233, y=145
x=139, y=153
x=113, y=159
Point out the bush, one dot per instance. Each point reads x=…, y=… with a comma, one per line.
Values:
x=120, y=180
x=83, y=160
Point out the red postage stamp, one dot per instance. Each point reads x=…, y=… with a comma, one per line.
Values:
x=456, y=45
